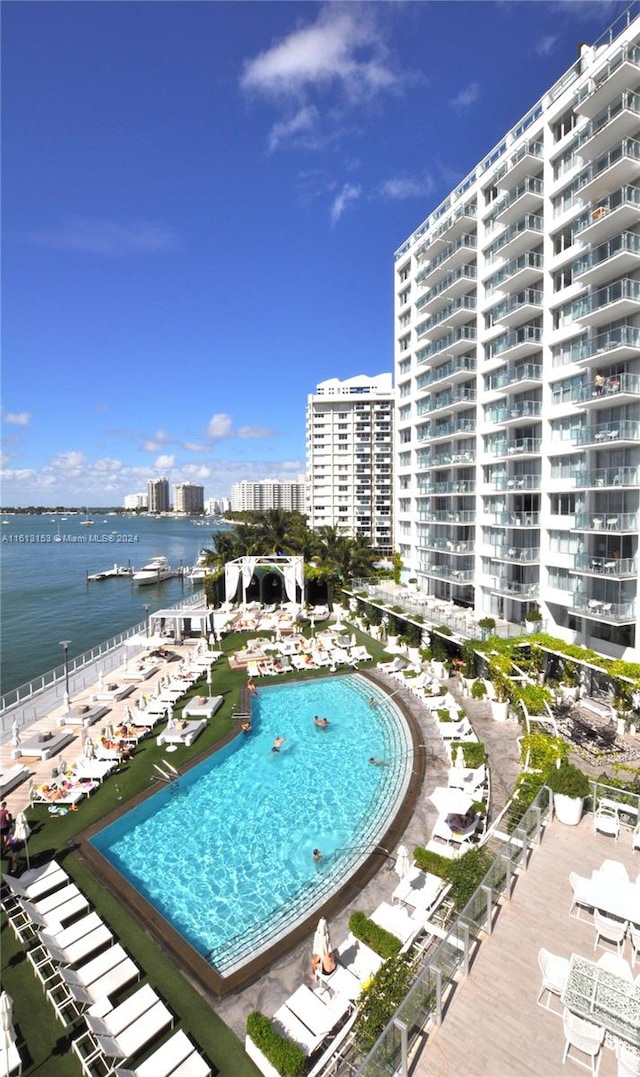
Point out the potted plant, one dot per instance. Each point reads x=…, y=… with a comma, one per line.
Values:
x=486, y=625
x=570, y=788
x=499, y=669
x=570, y=685
x=533, y=619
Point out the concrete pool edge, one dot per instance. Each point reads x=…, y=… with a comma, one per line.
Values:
x=192, y=965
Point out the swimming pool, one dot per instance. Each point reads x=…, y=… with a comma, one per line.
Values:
x=225, y=855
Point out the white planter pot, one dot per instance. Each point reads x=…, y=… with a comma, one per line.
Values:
x=568, y=809
x=569, y=692
x=392, y=642
x=533, y=626
x=499, y=711
x=256, y=1055
x=414, y=655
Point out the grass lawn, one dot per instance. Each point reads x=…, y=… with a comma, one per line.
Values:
x=43, y=1043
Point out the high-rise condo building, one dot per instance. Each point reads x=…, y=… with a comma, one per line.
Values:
x=268, y=494
x=349, y=457
x=517, y=366
x=188, y=499
x=158, y=495
x=135, y=502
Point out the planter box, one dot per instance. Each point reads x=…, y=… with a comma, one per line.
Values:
x=256, y=1055
x=568, y=809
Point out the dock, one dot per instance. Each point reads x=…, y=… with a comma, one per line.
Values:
x=111, y=573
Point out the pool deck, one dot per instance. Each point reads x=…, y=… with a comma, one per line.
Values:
x=290, y=964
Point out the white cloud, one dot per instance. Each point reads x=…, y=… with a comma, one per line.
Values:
x=194, y=446
x=255, y=432
x=156, y=441
x=69, y=461
x=400, y=187
x=219, y=426
x=165, y=462
x=342, y=47
x=108, y=464
x=467, y=96
x=18, y=418
x=546, y=45
x=301, y=122
x=349, y=193
x=108, y=238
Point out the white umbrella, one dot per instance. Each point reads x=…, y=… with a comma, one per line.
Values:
x=108, y=731
x=459, y=757
x=170, y=722
x=403, y=861
x=354, y=641
x=127, y=715
x=100, y=679
x=15, y=733
x=6, y=1020
x=21, y=832
x=451, y=801
x=212, y=639
x=89, y=749
x=321, y=940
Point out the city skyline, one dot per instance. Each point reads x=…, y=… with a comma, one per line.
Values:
x=201, y=210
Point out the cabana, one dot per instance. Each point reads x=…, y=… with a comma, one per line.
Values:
x=262, y=579
x=177, y=623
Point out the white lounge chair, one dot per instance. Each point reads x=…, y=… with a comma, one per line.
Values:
x=81, y=948
x=177, y=1056
x=61, y=914
x=358, y=958
x=136, y=1035
x=202, y=707
x=293, y=1027
x=116, y=1020
x=184, y=735
x=399, y=922
x=320, y=1017
x=60, y=937
x=38, y=882
x=110, y=983
x=94, y=969
x=11, y=778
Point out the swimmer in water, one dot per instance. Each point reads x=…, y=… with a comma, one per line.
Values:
x=277, y=744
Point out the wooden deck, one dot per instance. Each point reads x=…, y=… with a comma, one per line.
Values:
x=493, y=1027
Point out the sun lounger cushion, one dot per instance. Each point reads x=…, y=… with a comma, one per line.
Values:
x=11, y=778
x=202, y=707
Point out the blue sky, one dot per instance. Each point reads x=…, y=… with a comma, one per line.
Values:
x=201, y=202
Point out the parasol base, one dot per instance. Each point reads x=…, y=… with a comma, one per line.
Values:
x=172, y=747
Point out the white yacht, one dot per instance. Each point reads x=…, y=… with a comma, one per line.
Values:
x=200, y=570
x=155, y=571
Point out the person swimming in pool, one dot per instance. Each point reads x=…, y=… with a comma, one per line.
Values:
x=322, y=723
x=277, y=744
x=317, y=855
x=377, y=762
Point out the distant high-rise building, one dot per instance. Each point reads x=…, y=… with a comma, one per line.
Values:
x=517, y=344
x=217, y=506
x=349, y=457
x=135, y=502
x=158, y=494
x=268, y=494
x=188, y=499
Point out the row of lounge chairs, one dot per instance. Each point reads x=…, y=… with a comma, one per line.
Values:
x=83, y=971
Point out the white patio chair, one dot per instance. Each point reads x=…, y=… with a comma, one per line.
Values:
x=585, y=1037
x=610, y=930
x=628, y=1059
x=114, y=1021
x=136, y=1035
x=616, y=965
x=294, y=1028
x=614, y=868
x=555, y=971
x=634, y=937
x=580, y=887
x=606, y=821
x=37, y=886
x=320, y=1017
x=177, y=1055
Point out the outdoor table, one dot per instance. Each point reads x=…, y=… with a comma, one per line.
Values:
x=604, y=998
x=614, y=896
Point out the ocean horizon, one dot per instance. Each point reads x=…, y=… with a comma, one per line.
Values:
x=44, y=592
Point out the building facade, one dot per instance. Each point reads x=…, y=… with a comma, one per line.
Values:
x=517, y=366
x=268, y=494
x=188, y=499
x=350, y=458
x=135, y=502
x=158, y=495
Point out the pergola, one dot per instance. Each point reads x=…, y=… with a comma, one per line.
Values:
x=182, y=621
x=291, y=569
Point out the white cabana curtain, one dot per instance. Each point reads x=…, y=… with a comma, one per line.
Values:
x=293, y=573
x=231, y=577
x=248, y=565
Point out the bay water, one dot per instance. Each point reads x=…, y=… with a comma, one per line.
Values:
x=45, y=595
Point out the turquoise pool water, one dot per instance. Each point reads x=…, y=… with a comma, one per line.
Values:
x=226, y=855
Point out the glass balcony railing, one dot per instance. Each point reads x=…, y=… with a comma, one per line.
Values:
x=628, y=147
x=624, y=336
x=464, y=242
x=625, y=384
x=526, y=297
x=626, y=288
x=628, y=101
x=446, y=400
x=524, y=409
x=531, y=222
x=465, y=486
x=521, y=372
x=624, y=196
x=512, y=519
x=447, y=370
x=516, y=589
x=613, y=522
x=514, y=448
x=528, y=186
x=464, y=302
x=624, y=612
x=529, y=260
x=464, y=333
x=443, y=430
x=628, y=242
x=628, y=53
x=442, y=516
x=605, y=566
x=462, y=273
x=450, y=545
x=514, y=553
x=606, y=476
x=608, y=433
x=525, y=334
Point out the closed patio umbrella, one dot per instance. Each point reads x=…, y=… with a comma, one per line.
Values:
x=403, y=861
x=459, y=757
x=321, y=940
x=21, y=832
x=6, y=1020
x=15, y=734
x=89, y=748
x=100, y=679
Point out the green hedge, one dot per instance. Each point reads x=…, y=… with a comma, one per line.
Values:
x=434, y=863
x=465, y=874
x=381, y=998
x=286, y=1056
x=377, y=938
x=474, y=753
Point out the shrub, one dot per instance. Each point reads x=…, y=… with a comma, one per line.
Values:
x=487, y=623
x=526, y=791
x=568, y=781
x=478, y=690
x=287, y=1057
x=533, y=616
x=466, y=874
x=434, y=863
x=534, y=697
x=383, y=942
x=444, y=715
x=387, y=990
x=474, y=752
